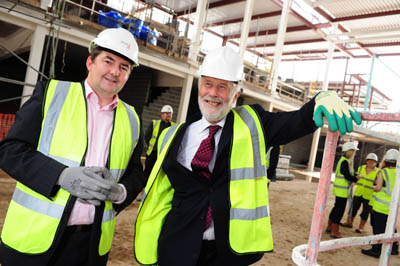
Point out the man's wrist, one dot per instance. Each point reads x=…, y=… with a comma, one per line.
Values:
x=124, y=194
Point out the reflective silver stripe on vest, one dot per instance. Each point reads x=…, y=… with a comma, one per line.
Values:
x=249, y=214
x=338, y=186
x=134, y=125
x=53, y=112
x=116, y=173
x=37, y=205
x=368, y=187
x=144, y=196
x=258, y=170
x=167, y=136
x=367, y=179
x=154, y=136
x=339, y=177
x=387, y=180
x=381, y=201
x=65, y=161
x=108, y=215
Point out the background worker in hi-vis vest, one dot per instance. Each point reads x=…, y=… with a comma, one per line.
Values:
x=206, y=200
x=367, y=174
x=152, y=133
x=75, y=152
x=344, y=176
x=381, y=201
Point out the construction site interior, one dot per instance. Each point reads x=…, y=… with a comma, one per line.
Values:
x=41, y=40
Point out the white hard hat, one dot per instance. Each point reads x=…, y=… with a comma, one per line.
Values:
x=117, y=40
x=222, y=63
x=391, y=155
x=372, y=156
x=349, y=146
x=167, y=109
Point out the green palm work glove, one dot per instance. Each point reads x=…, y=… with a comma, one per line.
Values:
x=339, y=114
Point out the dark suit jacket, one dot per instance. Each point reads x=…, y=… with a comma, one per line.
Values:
x=19, y=158
x=181, y=236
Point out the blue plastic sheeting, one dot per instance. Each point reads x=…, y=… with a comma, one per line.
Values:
x=113, y=19
x=134, y=26
x=148, y=35
x=110, y=19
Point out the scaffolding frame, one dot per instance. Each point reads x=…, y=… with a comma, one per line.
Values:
x=307, y=254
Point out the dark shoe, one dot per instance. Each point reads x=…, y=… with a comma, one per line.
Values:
x=394, y=252
x=359, y=231
x=371, y=252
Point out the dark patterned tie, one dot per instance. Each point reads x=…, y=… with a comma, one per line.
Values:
x=202, y=159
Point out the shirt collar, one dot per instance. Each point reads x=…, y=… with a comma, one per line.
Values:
x=92, y=96
x=204, y=124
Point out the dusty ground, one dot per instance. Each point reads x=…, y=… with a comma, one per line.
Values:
x=291, y=211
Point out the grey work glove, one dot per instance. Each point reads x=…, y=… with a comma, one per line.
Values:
x=116, y=192
x=84, y=183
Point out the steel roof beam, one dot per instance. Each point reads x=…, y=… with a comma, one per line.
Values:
x=210, y=6
x=364, y=16
x=270, y=32
x=286, y=43
x=306, y=22
x=238, y=20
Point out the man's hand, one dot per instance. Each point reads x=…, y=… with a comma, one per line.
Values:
x=339, y=114
x=85, y=183
x=116, y=192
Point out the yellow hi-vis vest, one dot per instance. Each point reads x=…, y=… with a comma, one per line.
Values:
x=365, y=185
x=33, y=220
x=341, y=185
x=249, y=225
x=156, y=129
x=383, y=197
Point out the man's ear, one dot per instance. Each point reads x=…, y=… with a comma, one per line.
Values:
x=89, y=63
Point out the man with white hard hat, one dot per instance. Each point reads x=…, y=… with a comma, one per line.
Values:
x=75, y=152
x=381, y=201
x=153, y=132
x=206, y=200
x=344, y=176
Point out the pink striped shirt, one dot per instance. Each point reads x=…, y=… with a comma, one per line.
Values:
x=99, y=126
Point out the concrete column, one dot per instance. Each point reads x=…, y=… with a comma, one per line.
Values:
x=268, y=106
x=314, y=146
x=44, y=4
x=35, y=56
x=185, y=98
x=248, y=12
x=279, y=46
x=198, y=25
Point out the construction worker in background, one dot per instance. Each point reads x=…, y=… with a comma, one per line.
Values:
x=74, y=150
x=364, y=188
x=381, y=203
x=206, y=200
x=153, y=132
x=343, y=178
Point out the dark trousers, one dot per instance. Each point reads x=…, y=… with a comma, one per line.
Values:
x=379, y=227
x=357, y=201
x=338, y=210
x=208, y=253
x=75, y=247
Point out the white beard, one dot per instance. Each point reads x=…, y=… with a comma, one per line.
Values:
x=211, y=114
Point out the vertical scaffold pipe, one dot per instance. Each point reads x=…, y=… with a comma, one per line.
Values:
x=320, y=203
